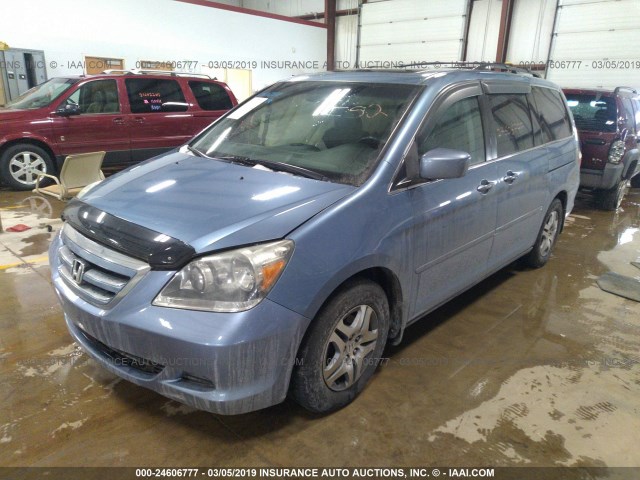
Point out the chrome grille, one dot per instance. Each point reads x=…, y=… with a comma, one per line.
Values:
x=94, y=272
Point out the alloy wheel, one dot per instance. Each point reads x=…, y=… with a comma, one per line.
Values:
x=25, y=166
x=549, y=232
x=354, y=337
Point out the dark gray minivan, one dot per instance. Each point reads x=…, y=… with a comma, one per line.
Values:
x=280, y=250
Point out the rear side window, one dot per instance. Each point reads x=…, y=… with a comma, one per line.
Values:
x=552, y=114
x=210, y=96
x=149, y=95
x=459, y=127
x=636, y=112
x=512, y=123
x=628, y=116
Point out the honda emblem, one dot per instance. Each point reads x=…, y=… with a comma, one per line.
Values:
x=77, y=270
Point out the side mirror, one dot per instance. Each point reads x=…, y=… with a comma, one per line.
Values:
x=68, y=109
x=444, y=163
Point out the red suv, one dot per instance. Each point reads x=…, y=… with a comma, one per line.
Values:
x=608, y=125
x=131, y=116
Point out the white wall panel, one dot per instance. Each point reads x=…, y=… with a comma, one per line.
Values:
x=482, y=43
x=531, y=29
x=290, y=8
x=383, y=56
x=601, y=41
x=412, y=30
x=163, y=30
x=233, y=3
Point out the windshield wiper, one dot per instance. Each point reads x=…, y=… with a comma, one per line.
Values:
x=272, y=165
x=196, y=152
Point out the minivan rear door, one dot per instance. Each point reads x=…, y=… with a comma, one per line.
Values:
x=160, y=116
x=522, y=160
x=454, y=219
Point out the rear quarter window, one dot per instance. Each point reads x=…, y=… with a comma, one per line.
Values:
x=551, y=113
x=629, y=116
x=210, y=96
x=150, y=95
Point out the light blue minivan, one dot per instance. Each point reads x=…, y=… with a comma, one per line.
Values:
x=280, y=250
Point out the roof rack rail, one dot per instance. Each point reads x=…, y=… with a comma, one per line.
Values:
x=631, y=89
x=171, y=73
x=505, y=67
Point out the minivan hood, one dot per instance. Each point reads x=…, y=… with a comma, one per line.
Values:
x=210, y=204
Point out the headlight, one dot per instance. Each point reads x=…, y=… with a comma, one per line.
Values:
x=87, y=189
x=616, y=151
x=231, y=281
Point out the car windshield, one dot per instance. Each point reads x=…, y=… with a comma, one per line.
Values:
x=325, y=130
x=593, y=112
x=42, y=95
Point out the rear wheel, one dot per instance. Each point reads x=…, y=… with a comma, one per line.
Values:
x=342, y=348
x=21, y=163
x=635, y=181
x=547, y=235
x=611, y=199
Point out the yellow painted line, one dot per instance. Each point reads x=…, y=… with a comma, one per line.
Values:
x=17, y=264
x=15, y=206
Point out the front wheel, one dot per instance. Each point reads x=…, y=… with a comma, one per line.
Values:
x=611, y=199
x=547, y=236
x=20, y=165
x=342, y=348
x=635, y=181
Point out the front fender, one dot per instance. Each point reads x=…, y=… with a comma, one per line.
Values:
x=29, y=137
x=630, y=159
x=367, y=230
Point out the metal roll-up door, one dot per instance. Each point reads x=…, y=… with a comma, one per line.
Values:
x=596, y=43
x=404, y=31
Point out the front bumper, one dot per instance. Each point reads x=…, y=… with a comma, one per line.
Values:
x=226, y=363
x=602, y=179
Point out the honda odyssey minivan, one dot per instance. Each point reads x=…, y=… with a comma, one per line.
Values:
x=280, y=250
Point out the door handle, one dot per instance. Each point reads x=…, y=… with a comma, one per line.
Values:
x=485, y=186
x=139, y=119
x=510, y=177
x=118, y=121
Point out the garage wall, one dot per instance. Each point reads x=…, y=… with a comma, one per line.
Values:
x=531, y=28
x=159, y=30
x=483, y=31
x=291, y=8
x=346, y=41
x=601, y=35
x=294, y=7
x=404, y=31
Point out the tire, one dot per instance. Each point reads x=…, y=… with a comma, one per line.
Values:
x=547, y=236
x=610, y=199
x=635, y=181
x=20, y=163
x=336, y=361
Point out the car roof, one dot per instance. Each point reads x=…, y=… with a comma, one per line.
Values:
x=186, y=76
x=423, y=77
x=622, y=91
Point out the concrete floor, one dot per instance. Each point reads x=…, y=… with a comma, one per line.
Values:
x=528, y=368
